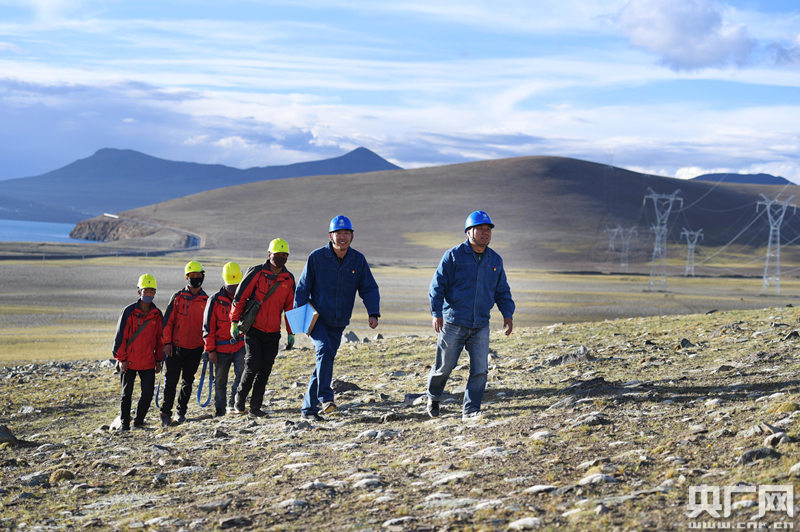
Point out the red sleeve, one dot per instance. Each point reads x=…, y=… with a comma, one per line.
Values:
x=159, y=340
x=237, y=307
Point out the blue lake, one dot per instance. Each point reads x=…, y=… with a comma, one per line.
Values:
x=28, y=231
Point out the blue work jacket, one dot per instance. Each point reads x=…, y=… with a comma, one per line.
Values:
x=465, y=287
x=331, y=287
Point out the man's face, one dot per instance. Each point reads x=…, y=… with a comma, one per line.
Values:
x=341, y=239
x=278, y=259
x=480, y=234
x=147, y=292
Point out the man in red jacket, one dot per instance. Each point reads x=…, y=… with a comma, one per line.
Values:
x=183, y=341
x=137, y=348
x=222, y=348
x=273, y=285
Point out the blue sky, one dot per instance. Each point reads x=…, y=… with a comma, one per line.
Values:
x=670, y=87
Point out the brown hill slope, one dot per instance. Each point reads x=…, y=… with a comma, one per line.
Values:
x=549, y=211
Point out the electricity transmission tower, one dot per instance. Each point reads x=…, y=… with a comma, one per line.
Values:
x=776, y=210
x=691, y=241
x=626, y=246
x=613, y=233
x=663, y=205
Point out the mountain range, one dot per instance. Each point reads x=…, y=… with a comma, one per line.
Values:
x=548, y=211
x=113, y=180
x=745, y=179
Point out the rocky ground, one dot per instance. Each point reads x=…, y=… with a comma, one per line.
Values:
x=593, y=426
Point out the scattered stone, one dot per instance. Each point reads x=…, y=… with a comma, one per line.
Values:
x=721, y=433
x=491, y=452
x=542, y=435
x=391, y=416
x=791, y=336
x=61, y=474
x=685, y=344
x=315, y=485
x=370, y=434
x=340, y=386
x=582, y=354
x=219, y=433
x=293, y=504
x=235, y=522
x=453, y=477
x=774, y=439
x=34, y=479
x=368, y=483
x=596, y=478
x=539, y=488
x=350, y=337
x=593, y=463
x=399, y=523
x=758, y=454
x=26, y=410
x=592, y=419
x=795, y=470
x=218, y=505
x=526, y=523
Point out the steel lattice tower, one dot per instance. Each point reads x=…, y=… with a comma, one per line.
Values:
x=626, y=246
x=691, y=241
x=776, y=210
x=613, y=233
x=663, y=205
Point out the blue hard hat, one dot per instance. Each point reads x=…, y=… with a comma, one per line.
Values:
x=477, y=218
x=340, y=222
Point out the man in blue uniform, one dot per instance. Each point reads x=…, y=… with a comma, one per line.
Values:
x=331, y=277
x=469, y=281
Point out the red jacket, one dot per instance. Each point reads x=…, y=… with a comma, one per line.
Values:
x=217, y=325
x=256, y=283
x=183, y=321
x=147, y=347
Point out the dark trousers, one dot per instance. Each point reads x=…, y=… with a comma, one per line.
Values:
x=147, y=383
x=182, y=365
x=260, y=351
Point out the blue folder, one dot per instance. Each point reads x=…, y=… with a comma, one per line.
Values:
x=302, y=319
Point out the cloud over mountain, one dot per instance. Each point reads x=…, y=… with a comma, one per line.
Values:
x=686, y=34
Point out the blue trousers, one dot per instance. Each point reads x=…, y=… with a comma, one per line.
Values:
x=451, y=341
x=326, y=342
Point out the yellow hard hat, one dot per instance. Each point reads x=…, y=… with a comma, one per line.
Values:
x=193, y=266
x=278, y=245
x=231, y=273
x=147, y=281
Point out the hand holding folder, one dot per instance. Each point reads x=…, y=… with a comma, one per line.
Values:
x=302, y=319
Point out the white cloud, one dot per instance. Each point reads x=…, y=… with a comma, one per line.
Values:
x=686, y=34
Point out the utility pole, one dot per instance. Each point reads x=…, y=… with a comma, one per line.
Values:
x=663, y=206
x=776, y=210
x=626, y=246
x=691, y=241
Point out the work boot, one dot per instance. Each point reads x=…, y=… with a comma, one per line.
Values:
x=219, y=412
x=432, y=408
x=327, y=407
x=257, y=412
x=311, y=417
x=166, y=420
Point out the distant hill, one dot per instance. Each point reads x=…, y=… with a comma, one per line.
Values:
x=114, y=180
x=746, y=179
x=548, y=211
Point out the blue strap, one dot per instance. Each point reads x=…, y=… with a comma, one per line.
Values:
x=158, y=388
x=210, y=383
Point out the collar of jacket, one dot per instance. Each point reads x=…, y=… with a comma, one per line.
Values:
x=469, y=249
x=333, y=252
